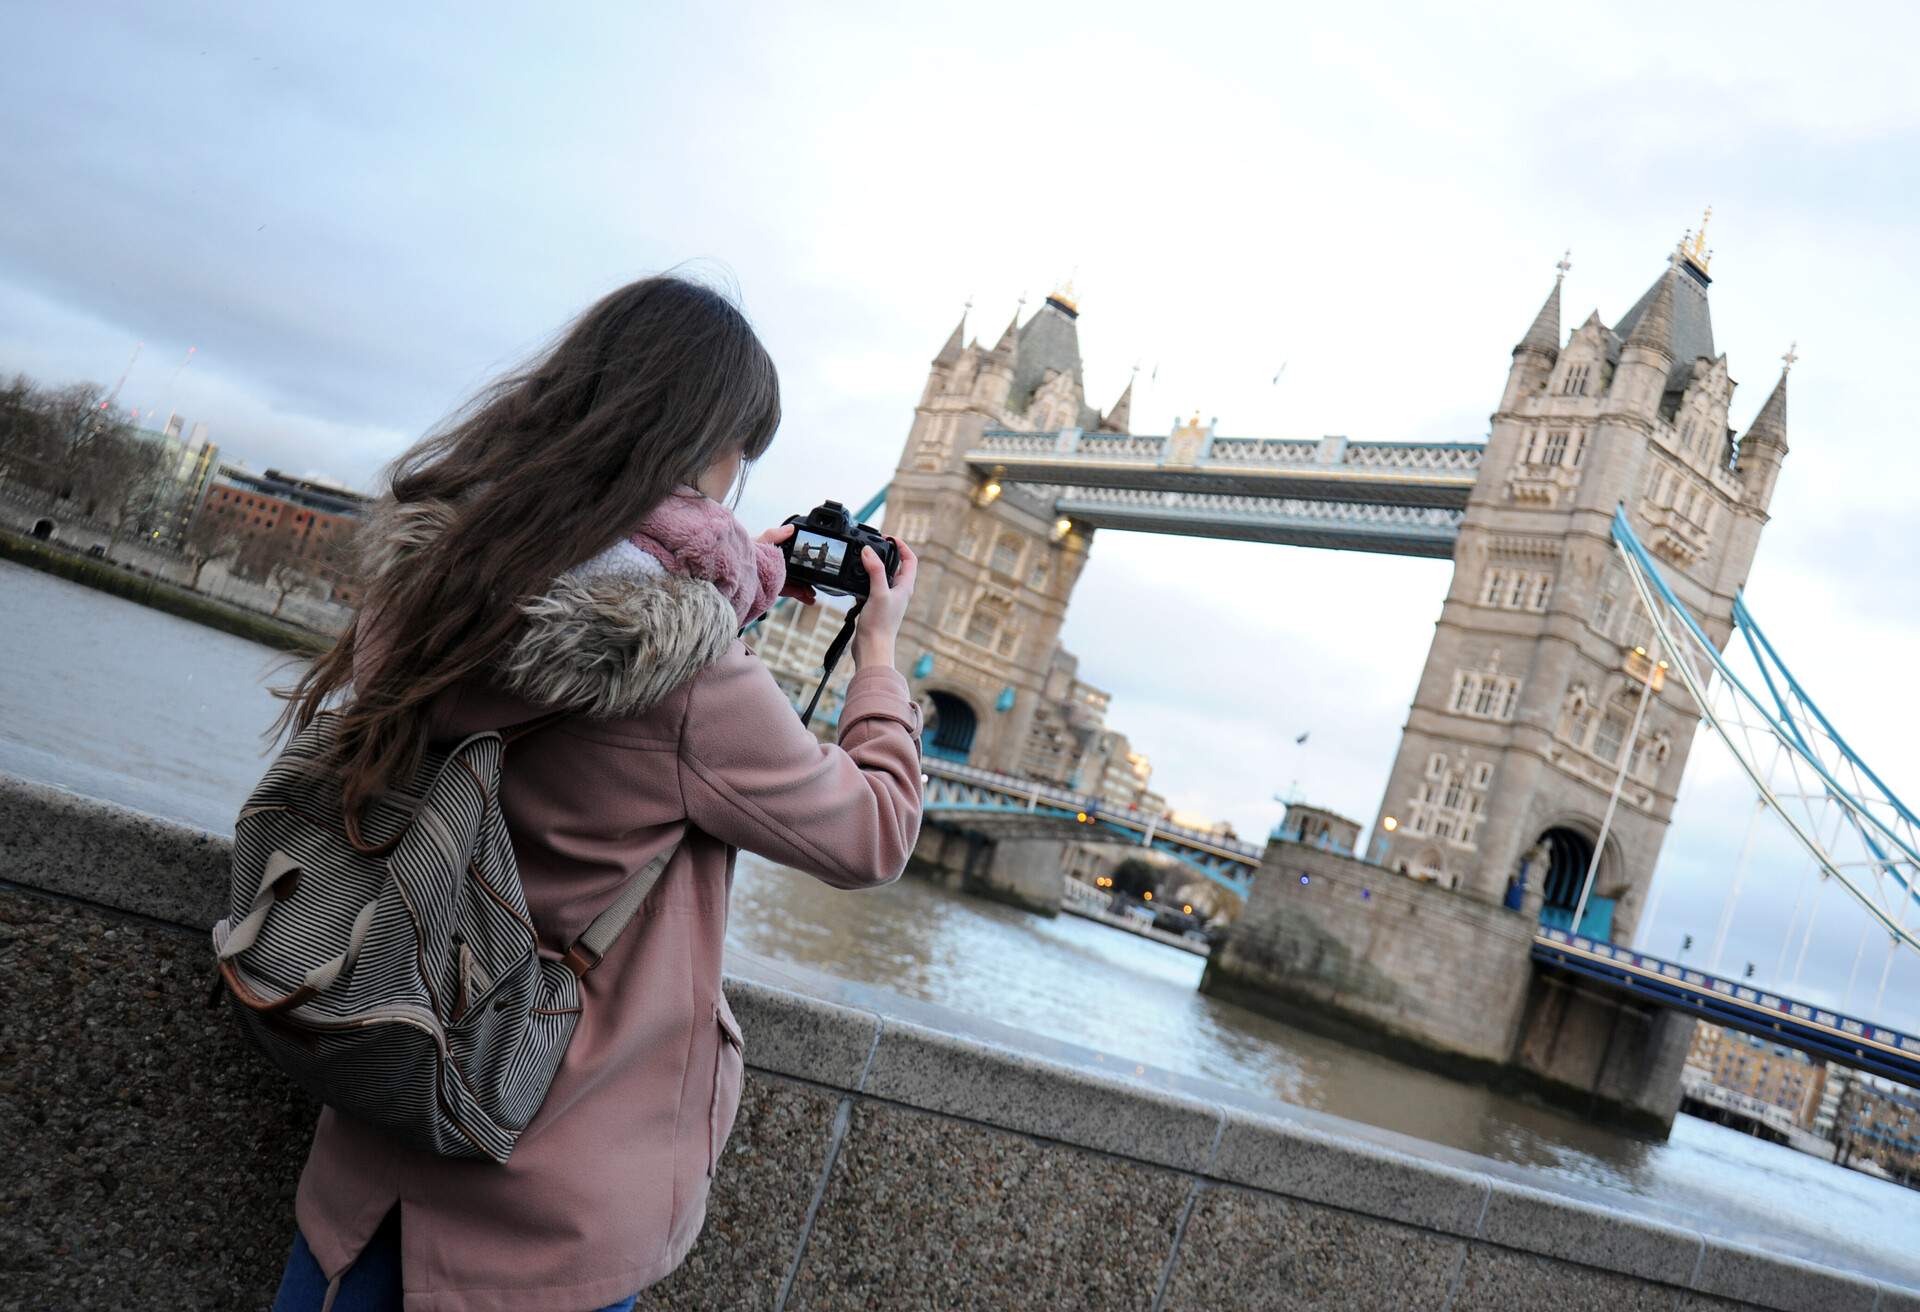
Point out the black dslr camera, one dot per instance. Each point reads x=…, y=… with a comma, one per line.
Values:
x=824, y=550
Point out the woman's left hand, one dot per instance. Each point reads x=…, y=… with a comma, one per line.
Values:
x=800, y=592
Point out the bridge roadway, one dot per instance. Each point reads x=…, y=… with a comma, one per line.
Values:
x=1004, y=804
x=1397, y=498
x=1845, y=1039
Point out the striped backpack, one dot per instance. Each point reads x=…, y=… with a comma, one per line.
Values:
x=393, y=973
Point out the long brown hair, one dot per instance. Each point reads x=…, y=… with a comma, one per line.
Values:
x=546, y=468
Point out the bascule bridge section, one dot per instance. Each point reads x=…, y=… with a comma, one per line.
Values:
x=1543, y=750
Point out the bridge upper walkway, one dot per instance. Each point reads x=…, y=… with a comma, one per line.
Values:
x=1398, y=498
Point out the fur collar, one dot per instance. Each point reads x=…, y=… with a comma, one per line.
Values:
x=610, y=637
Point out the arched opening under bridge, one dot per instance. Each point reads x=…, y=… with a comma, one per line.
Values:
x=43, y=529
x=951, y=735
x=1569, y=854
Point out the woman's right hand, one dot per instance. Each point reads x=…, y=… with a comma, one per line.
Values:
x=879, y=624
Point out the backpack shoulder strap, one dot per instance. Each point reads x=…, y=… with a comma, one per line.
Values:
x=598, y=937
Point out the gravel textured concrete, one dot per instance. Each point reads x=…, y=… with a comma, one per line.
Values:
x=943, y=1073
x=1253, y=1251
x=1279, y=1155
x=104, y=853
x=803, y=1037
x=152, y=1154
x=924, y=1212
x=1498, y=1280
x=1548, y=1224
x=1738, y=1272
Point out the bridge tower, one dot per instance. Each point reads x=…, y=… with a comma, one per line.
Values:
x=1522, y=716
x=996, y=572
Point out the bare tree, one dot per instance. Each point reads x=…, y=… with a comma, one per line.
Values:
x=283, y=576
x=76, y=427
x=209, y=538
x=127, y=479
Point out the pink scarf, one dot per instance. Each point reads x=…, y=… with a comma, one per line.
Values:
x=694, y=535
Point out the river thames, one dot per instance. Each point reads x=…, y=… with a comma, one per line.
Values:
x=107, y=698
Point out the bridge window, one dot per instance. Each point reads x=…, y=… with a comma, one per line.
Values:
x=1612, y=732
x=1038, y=579
x=1575, y=383
x=1483, y=694
x=1006, y=555
x=955, y=617
x=969, y=542
x=989, y=613
x=1556, y=452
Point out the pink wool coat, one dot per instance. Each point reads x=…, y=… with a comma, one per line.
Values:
x=690, y=746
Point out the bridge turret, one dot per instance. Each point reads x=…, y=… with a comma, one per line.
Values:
x=994, y=381
x=1646, y=356
x=952, y=369
x=1764, y=446
x=1534, y=356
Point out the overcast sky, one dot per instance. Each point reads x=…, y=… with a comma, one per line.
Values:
x=357, y=214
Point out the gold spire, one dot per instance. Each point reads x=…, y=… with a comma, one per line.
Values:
x=1063, y=296
x=1694, y=245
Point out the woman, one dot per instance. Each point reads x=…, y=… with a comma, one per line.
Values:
x=563, y=545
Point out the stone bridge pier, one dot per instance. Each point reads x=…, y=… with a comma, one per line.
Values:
x=1025, y=872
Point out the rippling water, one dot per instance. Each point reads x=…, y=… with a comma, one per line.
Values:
x=107, y=698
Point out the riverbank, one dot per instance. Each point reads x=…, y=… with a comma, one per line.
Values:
x=160, y=594
x=888, y=1153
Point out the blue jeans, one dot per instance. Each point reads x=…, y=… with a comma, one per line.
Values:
x=371, y=1284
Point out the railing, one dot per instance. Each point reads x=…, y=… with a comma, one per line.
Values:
x=1262, y=451
x=1241, y=453
x=1266, y=508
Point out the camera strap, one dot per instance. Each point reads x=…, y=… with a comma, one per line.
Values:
x=834, y=651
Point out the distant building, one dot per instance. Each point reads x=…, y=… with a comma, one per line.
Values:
x=315, y=520
x=1769, y=1072
x=1878, y=1121
x=1318, y=827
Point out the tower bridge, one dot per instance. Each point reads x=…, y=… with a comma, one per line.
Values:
x=1542, y=754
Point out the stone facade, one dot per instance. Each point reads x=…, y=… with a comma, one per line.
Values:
x=1521, y=718
x=996, y=572
x=1326, y=936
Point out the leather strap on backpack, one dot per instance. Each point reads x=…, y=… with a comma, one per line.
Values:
x=597, y=938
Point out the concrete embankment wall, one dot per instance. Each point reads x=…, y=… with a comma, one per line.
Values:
x=880, y=1160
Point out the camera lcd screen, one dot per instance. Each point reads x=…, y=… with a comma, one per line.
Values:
x=812, y=551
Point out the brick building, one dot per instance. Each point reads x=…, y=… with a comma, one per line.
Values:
x=1744, y=1063
x=314, y=521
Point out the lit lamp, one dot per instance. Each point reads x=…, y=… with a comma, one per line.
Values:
x=1061, y=527
x=989, y=492
x=1389, y=824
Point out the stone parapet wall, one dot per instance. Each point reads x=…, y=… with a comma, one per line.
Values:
x=888, y=1154
x=1325, y=933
